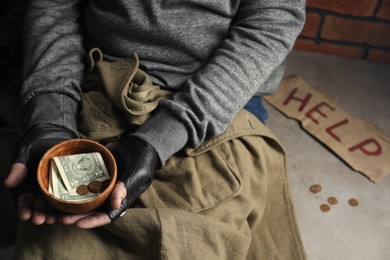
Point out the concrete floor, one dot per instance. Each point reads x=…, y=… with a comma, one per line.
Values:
x=362, y=89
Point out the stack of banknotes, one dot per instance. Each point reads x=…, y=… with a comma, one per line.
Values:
x=77, y=177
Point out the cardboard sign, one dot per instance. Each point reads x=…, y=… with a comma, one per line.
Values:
x=360, y=145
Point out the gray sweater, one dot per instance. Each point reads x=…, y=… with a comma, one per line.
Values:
x=214, y=54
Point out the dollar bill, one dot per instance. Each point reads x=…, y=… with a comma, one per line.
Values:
x=69, y=172
x=60, y=191
x=50, y=187
x=79, y=169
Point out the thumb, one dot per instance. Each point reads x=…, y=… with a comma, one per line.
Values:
x=16, y=176
x=118, y=194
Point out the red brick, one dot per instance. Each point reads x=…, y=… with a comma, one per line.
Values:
x=354, y=31
x=384, y=11
x=352, y=7
x=311, y=25
x=345, y=51
x=379, y=56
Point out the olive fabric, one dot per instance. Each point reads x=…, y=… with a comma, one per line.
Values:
x=227, y=199
x=116, y=96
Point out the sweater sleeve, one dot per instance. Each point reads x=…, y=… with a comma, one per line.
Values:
x=52, y=67
x=261, y=36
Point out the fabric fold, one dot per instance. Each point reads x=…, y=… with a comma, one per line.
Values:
x=120, y=90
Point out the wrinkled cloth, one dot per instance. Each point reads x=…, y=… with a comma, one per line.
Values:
x=227, y=199
x=116, y=95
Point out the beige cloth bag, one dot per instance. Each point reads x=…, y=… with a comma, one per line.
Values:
x=117, y=96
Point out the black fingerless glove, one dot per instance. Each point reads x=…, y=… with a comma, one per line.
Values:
x=137, y=162
x=37, y=140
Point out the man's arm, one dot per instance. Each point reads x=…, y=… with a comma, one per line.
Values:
x=53, y=71
x=53, y=62
x=261, y=36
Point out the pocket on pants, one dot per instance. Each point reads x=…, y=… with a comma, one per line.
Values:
x=193, y=183
x=200, y=179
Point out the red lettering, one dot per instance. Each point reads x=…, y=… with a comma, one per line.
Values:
x=329, y=130
x=304, y=101
x=317, y=109
x=361, y=146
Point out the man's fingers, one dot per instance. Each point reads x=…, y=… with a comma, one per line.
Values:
x=40, y=211
x=51, y=217
x=17, y=175
x=69, y=219
x=91, y=220
x=97, y=220
x=86, y=221
x=25, y=206
x=118, y=194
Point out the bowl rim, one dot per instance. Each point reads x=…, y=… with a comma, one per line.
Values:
x=103, y=193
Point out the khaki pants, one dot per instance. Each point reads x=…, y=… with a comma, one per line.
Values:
x=227, y=199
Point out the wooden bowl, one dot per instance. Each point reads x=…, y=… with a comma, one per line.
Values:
x=76, y=146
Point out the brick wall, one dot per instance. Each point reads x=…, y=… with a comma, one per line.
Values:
x=351, y=28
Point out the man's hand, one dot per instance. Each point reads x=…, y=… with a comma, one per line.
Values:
x=137, y=162
x=37, y=140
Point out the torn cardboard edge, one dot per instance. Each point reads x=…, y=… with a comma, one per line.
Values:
x=363, y=146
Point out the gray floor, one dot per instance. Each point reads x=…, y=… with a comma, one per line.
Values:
x=362, y=89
